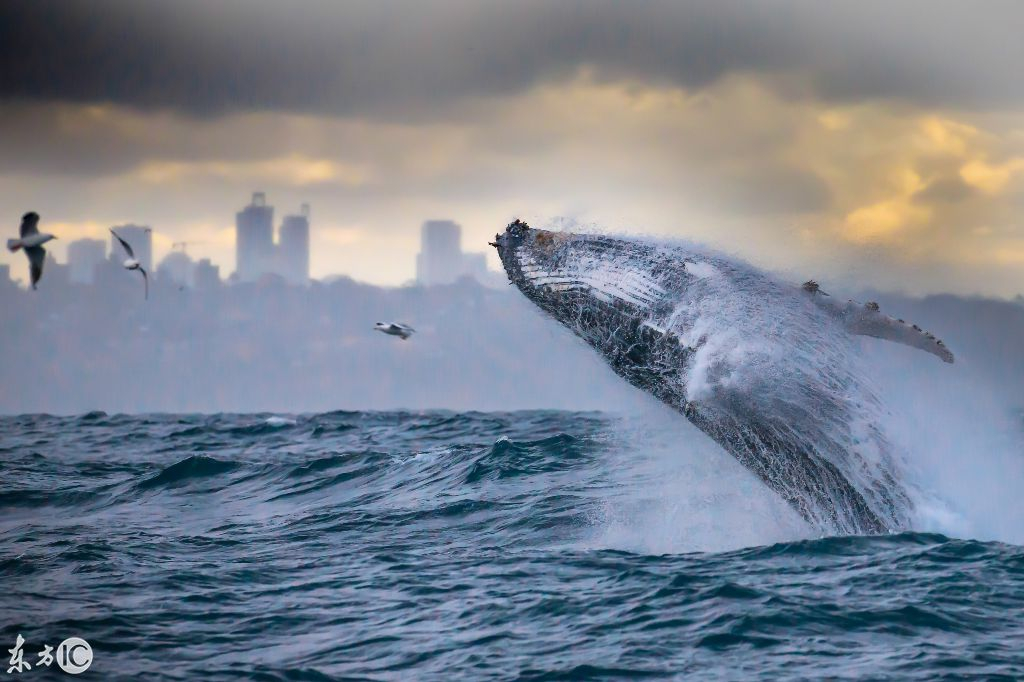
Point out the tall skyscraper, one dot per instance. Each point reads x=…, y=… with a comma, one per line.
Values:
x=254, y=239
x=83, y=257
x=141, y=239
x=293, y=247
x=440, y=258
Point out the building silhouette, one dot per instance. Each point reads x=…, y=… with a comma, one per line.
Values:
x=293, y=247
x=206, y=276
x=177, y=268
x=84, y=255
x=257, y=255
x=475, y=266
x=441, y=259
x=140, y=237
x=254, y=239
x=55, y=274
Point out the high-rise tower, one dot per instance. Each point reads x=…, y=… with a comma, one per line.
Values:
x=440, y=257
x=254, y=239
x=83, y=257
x=293, y=247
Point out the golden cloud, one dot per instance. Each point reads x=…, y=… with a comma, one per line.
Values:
x=293, y=170
x=884, y=220
x=947, y=136
x=989, y=177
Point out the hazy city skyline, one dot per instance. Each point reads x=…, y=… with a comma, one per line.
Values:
x=440, y=260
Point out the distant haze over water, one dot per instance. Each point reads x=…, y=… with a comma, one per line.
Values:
x=271, y=346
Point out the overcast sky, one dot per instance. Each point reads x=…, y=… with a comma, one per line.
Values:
x=867, y=143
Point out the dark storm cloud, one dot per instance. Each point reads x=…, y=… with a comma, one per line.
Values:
x=403, y=59
x=329, y=57
x=35, y=142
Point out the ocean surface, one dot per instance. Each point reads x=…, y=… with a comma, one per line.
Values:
x=439, y=546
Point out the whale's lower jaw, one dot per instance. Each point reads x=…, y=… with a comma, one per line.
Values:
x=655, y=361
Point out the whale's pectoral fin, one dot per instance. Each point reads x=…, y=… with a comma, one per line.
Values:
x=867, y=320
x=874, y=323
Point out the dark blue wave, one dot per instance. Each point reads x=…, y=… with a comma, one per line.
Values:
x=190, y=468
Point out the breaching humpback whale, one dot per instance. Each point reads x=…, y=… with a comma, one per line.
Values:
x=762, y=367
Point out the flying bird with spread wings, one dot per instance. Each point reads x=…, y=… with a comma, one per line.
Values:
x=403, y=331
x=132, y=263
x=32, y=240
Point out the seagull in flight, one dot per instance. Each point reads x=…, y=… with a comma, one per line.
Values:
x=395, y=329
x=132, y=263
x=32, y=240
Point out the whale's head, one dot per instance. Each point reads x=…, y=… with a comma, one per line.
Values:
x=564, y=270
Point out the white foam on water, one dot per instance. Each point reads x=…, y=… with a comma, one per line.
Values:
x=673, y=490
x=279, y=421
x=963, y=441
